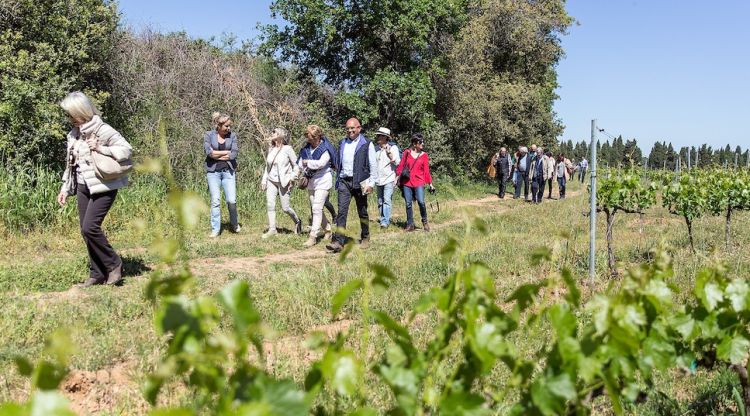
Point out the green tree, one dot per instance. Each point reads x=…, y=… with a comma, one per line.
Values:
x=378, y=56
x=47, y=49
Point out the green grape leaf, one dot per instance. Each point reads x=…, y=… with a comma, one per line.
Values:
x=343, y=295
x=733, y=349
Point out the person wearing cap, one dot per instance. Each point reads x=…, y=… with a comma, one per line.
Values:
x=357, y=174
x=281, y=168
x=416, y=161
x=388, y=158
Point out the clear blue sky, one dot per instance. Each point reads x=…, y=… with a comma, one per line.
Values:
x=674, y=70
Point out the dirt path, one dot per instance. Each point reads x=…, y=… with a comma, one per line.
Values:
x=92, y=392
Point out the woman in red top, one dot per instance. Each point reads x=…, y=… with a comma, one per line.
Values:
x=417, y=163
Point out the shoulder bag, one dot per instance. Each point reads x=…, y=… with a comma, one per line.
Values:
x=106, y=168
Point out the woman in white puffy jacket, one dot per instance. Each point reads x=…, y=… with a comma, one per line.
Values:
x=281, y=168
x=94, y=195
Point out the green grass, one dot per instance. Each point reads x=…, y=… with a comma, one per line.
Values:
x=114, y=325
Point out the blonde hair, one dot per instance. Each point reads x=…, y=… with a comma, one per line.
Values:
x=280, y=133
x=219, y=119
x=79, y=106
x=314, y=131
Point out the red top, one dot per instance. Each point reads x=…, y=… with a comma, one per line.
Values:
x=419, y=169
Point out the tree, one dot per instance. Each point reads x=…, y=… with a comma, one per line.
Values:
x=47, y=49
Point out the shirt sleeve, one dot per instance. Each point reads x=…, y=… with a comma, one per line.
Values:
x=373, y=164
x=235, y=148
x=207, y=144
x=396, y=155
x=320, y=163
x=427, y=175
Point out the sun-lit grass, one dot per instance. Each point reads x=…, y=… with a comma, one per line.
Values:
x=114, y=325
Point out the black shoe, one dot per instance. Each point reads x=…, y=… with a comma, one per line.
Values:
x=298, y=227
x=115, y=276
x=91, y=281
x=334, y=247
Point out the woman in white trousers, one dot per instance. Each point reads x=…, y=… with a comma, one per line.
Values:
x=281, y=169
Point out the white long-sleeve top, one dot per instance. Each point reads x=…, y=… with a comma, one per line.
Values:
x=387, y=161
x=322, y=178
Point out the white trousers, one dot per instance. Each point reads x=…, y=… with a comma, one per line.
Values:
x=317, y=202
x=285, y=194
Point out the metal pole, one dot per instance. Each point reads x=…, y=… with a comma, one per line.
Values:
x=688, y=152
x=736, y=158
x=592, y=216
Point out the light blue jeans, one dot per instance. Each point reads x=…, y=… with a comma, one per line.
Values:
x=217, y=180
x=385, y=204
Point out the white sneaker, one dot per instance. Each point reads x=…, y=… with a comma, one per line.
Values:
x=237, y=228
x=269, y=233
x=213, y=234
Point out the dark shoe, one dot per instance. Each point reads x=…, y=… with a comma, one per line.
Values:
x=364, y=243
x=115, y=276
x=409, y=228
x=426, y=226
x=298, y=227
x=334, y=247
x=91, y=281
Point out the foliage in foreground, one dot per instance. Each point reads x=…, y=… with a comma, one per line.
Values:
x=612, y=345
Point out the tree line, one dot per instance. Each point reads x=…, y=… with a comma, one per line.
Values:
x=472, y=75
x=663, y=155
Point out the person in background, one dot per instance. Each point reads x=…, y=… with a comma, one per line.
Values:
x=503, y=168
x=316, y=159
x=220, y=145
x=94, y=196
x=562, y=172
x=281, y=168
x=388, y=158
x=549, y=171
x=536, y=176
x=583, y=165
x=522, y=166
x=357, y=174
x=415, y=159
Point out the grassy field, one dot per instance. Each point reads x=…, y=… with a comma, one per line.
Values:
x=113, y=332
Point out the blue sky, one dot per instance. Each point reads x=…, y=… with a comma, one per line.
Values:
x=652, y=70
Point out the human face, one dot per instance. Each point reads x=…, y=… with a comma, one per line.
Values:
x=353, y=128
x=503, y=152
x=76, y=122
x=225, y=128
x=382, y=140
x=314, y=141
x=419, y=145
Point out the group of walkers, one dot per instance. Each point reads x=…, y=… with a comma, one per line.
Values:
x=357, y=168
x=534, y=169
x=98, y=162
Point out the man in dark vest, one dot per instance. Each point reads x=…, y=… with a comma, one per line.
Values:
x=356, y=175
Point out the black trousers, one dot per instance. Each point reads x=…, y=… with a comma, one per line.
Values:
x=549, y=186
x=522, y=177
x=537, y=189
x=346, y=192
x=582, y=174
x=91, y=212
x=502, y=180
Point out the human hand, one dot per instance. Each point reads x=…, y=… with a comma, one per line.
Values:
x=263, y=185
x=432, y=189
x=304, y=163
x=368, y=190
x=92, y=142
x=61, y=197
